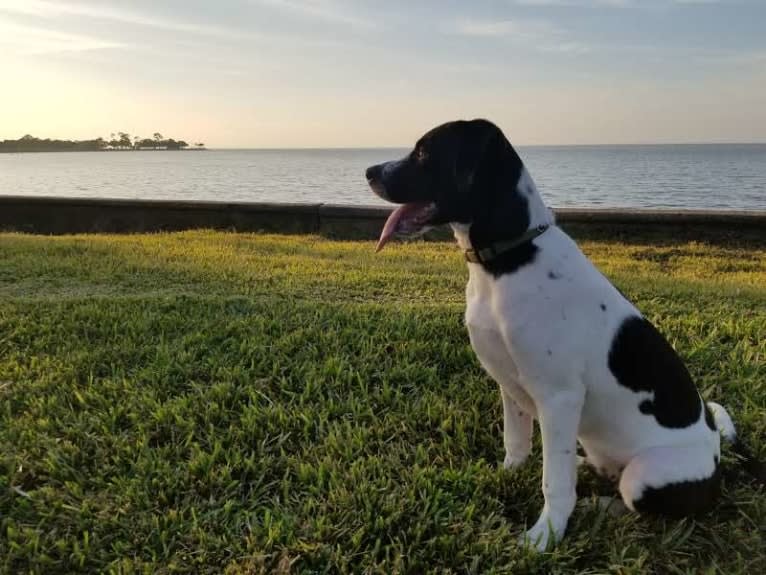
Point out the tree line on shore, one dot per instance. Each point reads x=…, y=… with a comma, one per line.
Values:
x=117, y=141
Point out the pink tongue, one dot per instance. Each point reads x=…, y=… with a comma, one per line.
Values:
x=392, y=223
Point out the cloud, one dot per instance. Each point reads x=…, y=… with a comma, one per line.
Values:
x=505, y=28
x=55, y=12
x=539, y=35
x=35, y=41
x=574, y=2
x=48, y=9
x=328, y=10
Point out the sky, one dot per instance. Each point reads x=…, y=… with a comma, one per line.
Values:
x=367, y=73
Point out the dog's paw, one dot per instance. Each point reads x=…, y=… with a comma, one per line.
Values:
x=544, y=534
x=514, y=460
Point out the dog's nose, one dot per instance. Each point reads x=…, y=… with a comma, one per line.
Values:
x=373, y=173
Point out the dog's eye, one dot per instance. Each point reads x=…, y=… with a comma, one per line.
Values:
x=421, y=155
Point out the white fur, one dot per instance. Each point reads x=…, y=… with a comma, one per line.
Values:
x=546, y=344
x=723, y=421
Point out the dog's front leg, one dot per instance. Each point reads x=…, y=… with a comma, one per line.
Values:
x=559, y=417
x=517, y=431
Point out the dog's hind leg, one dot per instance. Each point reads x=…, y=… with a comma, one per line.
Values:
x=672, y=481
x=517, y=431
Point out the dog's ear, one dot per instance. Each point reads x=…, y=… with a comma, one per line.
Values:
x=477, y=149
x=499, y=209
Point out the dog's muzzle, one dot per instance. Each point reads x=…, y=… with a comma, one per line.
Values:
x=374, y=176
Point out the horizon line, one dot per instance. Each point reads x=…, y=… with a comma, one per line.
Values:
x=400, y=147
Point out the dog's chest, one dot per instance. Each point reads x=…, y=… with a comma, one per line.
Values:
x=485, y=330
x=479, y=299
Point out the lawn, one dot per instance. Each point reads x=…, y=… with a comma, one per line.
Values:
x=207, y=402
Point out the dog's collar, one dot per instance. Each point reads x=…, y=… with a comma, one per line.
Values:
x=498, y=248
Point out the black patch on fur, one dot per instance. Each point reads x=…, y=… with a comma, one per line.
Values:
x=681, y=499
x=646, y=407
x=550, y=352
x=709, y=419
x=603, y=307
x=512, y=260
x=499, y=211
x=553, y=275
x=642, y=360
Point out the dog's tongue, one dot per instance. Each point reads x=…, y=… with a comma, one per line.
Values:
x=393, y=221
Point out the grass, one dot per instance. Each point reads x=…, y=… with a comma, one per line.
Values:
x=207, y=402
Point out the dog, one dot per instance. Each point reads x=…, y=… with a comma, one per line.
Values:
x=565, y=346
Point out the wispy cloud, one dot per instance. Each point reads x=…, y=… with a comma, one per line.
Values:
x=48, y=15
x=101, y=11
x=540, y=35
x=327, y=10
x=528, y=29
x=574, y=2
x=35, y=41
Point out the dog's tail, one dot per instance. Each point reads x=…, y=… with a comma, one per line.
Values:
x=728, y=432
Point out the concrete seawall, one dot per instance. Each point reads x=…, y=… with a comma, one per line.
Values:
x=44, y=215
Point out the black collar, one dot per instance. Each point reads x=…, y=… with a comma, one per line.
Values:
x=498, y=248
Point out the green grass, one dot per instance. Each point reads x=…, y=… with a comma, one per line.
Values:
x=207, y=402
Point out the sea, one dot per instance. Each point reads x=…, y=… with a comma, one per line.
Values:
x=700, y=177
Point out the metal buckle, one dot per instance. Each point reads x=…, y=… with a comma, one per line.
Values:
x=471, y=256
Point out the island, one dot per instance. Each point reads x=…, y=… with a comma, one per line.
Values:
x=119, y=141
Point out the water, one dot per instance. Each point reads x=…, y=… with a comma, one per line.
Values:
x=678, y=176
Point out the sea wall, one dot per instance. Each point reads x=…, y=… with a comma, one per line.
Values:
x=45, y=215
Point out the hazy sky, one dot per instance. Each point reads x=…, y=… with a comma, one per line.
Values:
x=295, y=73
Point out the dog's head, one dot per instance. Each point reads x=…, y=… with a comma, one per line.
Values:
x=460, y=172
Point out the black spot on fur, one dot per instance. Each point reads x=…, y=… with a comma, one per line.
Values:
x=549, y=352
x=681, y=499
x=553, y=275
x=642, y=360
x=709, y=419
x=499, y=210
x=603, y=307
x=646, y=407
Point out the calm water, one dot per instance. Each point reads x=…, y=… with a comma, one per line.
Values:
x=684, y=176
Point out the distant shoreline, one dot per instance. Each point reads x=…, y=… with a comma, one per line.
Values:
x=99, y=151
x=120, y=142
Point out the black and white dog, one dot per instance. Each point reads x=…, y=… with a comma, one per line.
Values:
x=565, y=346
